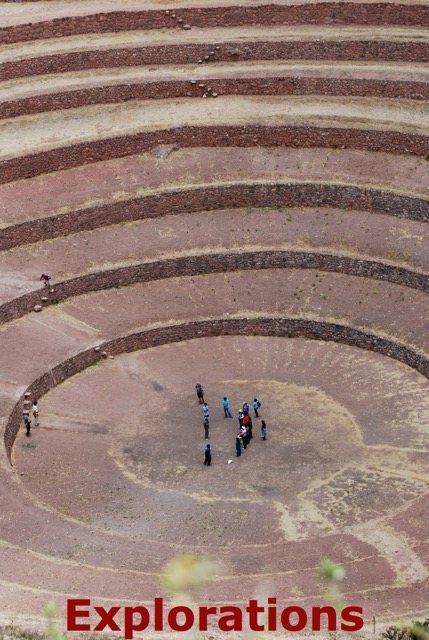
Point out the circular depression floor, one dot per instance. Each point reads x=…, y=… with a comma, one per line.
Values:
x=120, y=446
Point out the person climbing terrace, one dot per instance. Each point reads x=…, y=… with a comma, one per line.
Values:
x=46, y=279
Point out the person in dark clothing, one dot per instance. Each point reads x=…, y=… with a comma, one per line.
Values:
x=246, y=408
x=27, y=423
x=238, y=442
x=46, y=279
x=200, y=393
x=207, y=455
x=263, y=430
x=248, y=434
x=250, y=427
x=206, y=428
x=240, y=418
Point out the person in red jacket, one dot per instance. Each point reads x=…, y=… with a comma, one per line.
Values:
x=46, y=279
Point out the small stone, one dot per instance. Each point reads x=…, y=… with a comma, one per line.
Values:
x=217, y=48
x=51, y=290
x=201, y=86
x=193, y=82
x=111, y=357
x=187, y=26
x=173, y=15
x=200, y=62
x=22, y=473
x=215, y=95
x=45, y=299
x=209, y=88
x=206, y=58
x=97, y=349
x=104, y=354
x=204, y=95
x=180, y=20
x=37, y=307
x=211, y=53
x=27, y=394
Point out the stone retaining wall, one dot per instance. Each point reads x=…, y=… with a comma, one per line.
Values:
x=280, y=85
x=309, y=136
x=334, y=13
x=215, y=263
x=193, y=200
x=366, y=50
x=278, y=327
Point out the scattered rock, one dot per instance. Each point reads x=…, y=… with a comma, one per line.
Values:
x=97, y=349
x=45, y=299
x=104, y=354
x=37, y=307
x=187, y=26
x=162, y=151
x=27, y=394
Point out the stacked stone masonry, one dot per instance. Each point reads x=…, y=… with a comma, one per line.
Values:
x=211, y=136
x=312, y=14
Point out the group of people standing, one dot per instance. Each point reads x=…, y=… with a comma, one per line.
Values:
x=245, y=434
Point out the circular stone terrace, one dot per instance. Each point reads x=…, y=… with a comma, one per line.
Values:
x=231, y=194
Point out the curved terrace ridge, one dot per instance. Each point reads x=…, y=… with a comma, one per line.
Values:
x=161, y=90
x=210, y=198
x=247, y=135
x=279, y=327
x=239, y=15
x=197, y=265
x=190, y=54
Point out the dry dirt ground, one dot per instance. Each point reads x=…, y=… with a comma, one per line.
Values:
x=120, y=450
